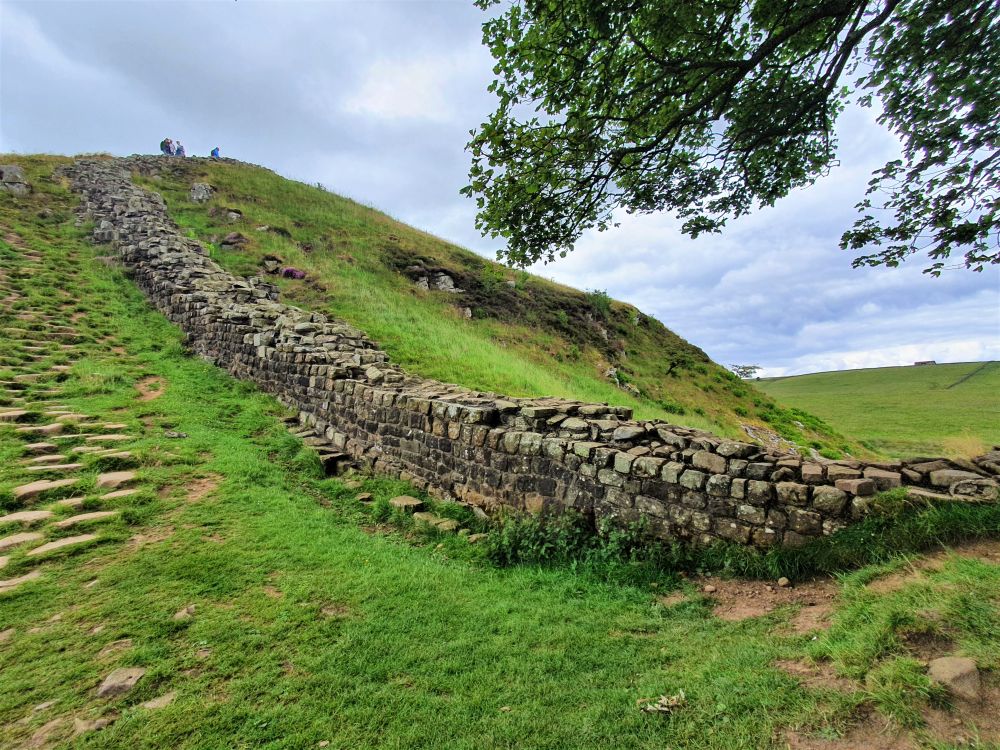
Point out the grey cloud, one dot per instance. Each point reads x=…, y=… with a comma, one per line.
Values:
x=273, y=83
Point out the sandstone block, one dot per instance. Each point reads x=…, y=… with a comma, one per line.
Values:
x=860, y=487
x=813, y=473
x=829, y=500
x=948, y=477
x=759, y=491
x=693, y=480
x=708, y=461
x=805, y=522
x=792, y=493
x=884, y=480
x=406, y=503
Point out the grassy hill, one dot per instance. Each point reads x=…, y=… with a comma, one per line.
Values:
x=951, y=409
x=264, y=605
x=507, y=331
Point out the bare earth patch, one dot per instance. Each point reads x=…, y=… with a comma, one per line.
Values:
x=968, y=721
x=816, y=675
x=869, y=733
x=986, y=550
x=737, y=600
x=202, y=487
x=150, y=388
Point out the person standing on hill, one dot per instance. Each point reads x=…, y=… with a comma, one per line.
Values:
x=179, y=149
x=215, y=153
x=167, y=147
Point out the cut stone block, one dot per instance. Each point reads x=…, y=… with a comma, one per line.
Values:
x=406, y=503
x=46, y=429
x=114, y=479
x=54, y=467
x=109, y=438
x=861, y=487
x=70, y=541
x=14, y=540
x=12, y=416
x=11, y=583
x=99, y=515
x=26, y=516
x=29, y=491
x=39, y=447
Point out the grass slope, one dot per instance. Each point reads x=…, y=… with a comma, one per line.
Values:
x=527, y=336
x=310, y=627
x=951, y=409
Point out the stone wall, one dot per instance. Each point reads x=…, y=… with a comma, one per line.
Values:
x=481, y=448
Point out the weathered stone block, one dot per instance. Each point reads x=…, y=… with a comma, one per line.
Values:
x=759, y=491
x=792, y=493
x=693, y=480
x=829, y=500
x=718, y=485
x=710, y=462
x=805, y=522
x=751, y=514
x=856, y=486
x=647, y=466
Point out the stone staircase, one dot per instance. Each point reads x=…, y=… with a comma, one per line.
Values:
x=63, y=489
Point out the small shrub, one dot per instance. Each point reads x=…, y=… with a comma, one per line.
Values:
x=601, y=302
x=672, y=407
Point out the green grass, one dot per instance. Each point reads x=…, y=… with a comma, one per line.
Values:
x=950, y=409
x=314, y=625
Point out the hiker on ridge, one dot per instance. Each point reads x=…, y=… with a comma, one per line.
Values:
x=215, y=153
x=167, y=147
x=179, y=149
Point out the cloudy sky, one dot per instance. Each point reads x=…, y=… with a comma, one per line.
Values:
x=375, y=100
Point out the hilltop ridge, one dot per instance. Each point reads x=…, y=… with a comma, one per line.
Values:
x=444, y=312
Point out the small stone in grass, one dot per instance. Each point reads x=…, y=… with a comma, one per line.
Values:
x=709, y=589
x=784, y=582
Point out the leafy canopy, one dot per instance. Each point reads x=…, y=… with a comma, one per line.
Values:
x=709, y=108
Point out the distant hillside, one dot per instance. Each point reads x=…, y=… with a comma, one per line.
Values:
x=930, y=409
x=499, y=330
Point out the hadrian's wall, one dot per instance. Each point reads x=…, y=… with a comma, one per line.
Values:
x=480, y=448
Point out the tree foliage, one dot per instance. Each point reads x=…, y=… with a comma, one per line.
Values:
x=711, y=108
x=745, y=371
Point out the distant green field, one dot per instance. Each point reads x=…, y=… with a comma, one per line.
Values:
x=950, y=408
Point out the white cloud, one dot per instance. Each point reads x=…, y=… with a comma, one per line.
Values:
x=400, y=88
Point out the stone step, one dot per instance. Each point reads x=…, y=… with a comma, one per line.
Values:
x=100, y=515
x=46, y=429
x=118, y=494
x=406, y=503
x=12, y=583
x=40, y=447
x=443, y=524
x=60, y=468
x=113, y=480
x=13, y=416
x=14, y=540
x=52, y=458
x=69, y=541
x=34, y=489
x=109, y=438
x=26, y=516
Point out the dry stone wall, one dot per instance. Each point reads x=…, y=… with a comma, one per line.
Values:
x=481, y=448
